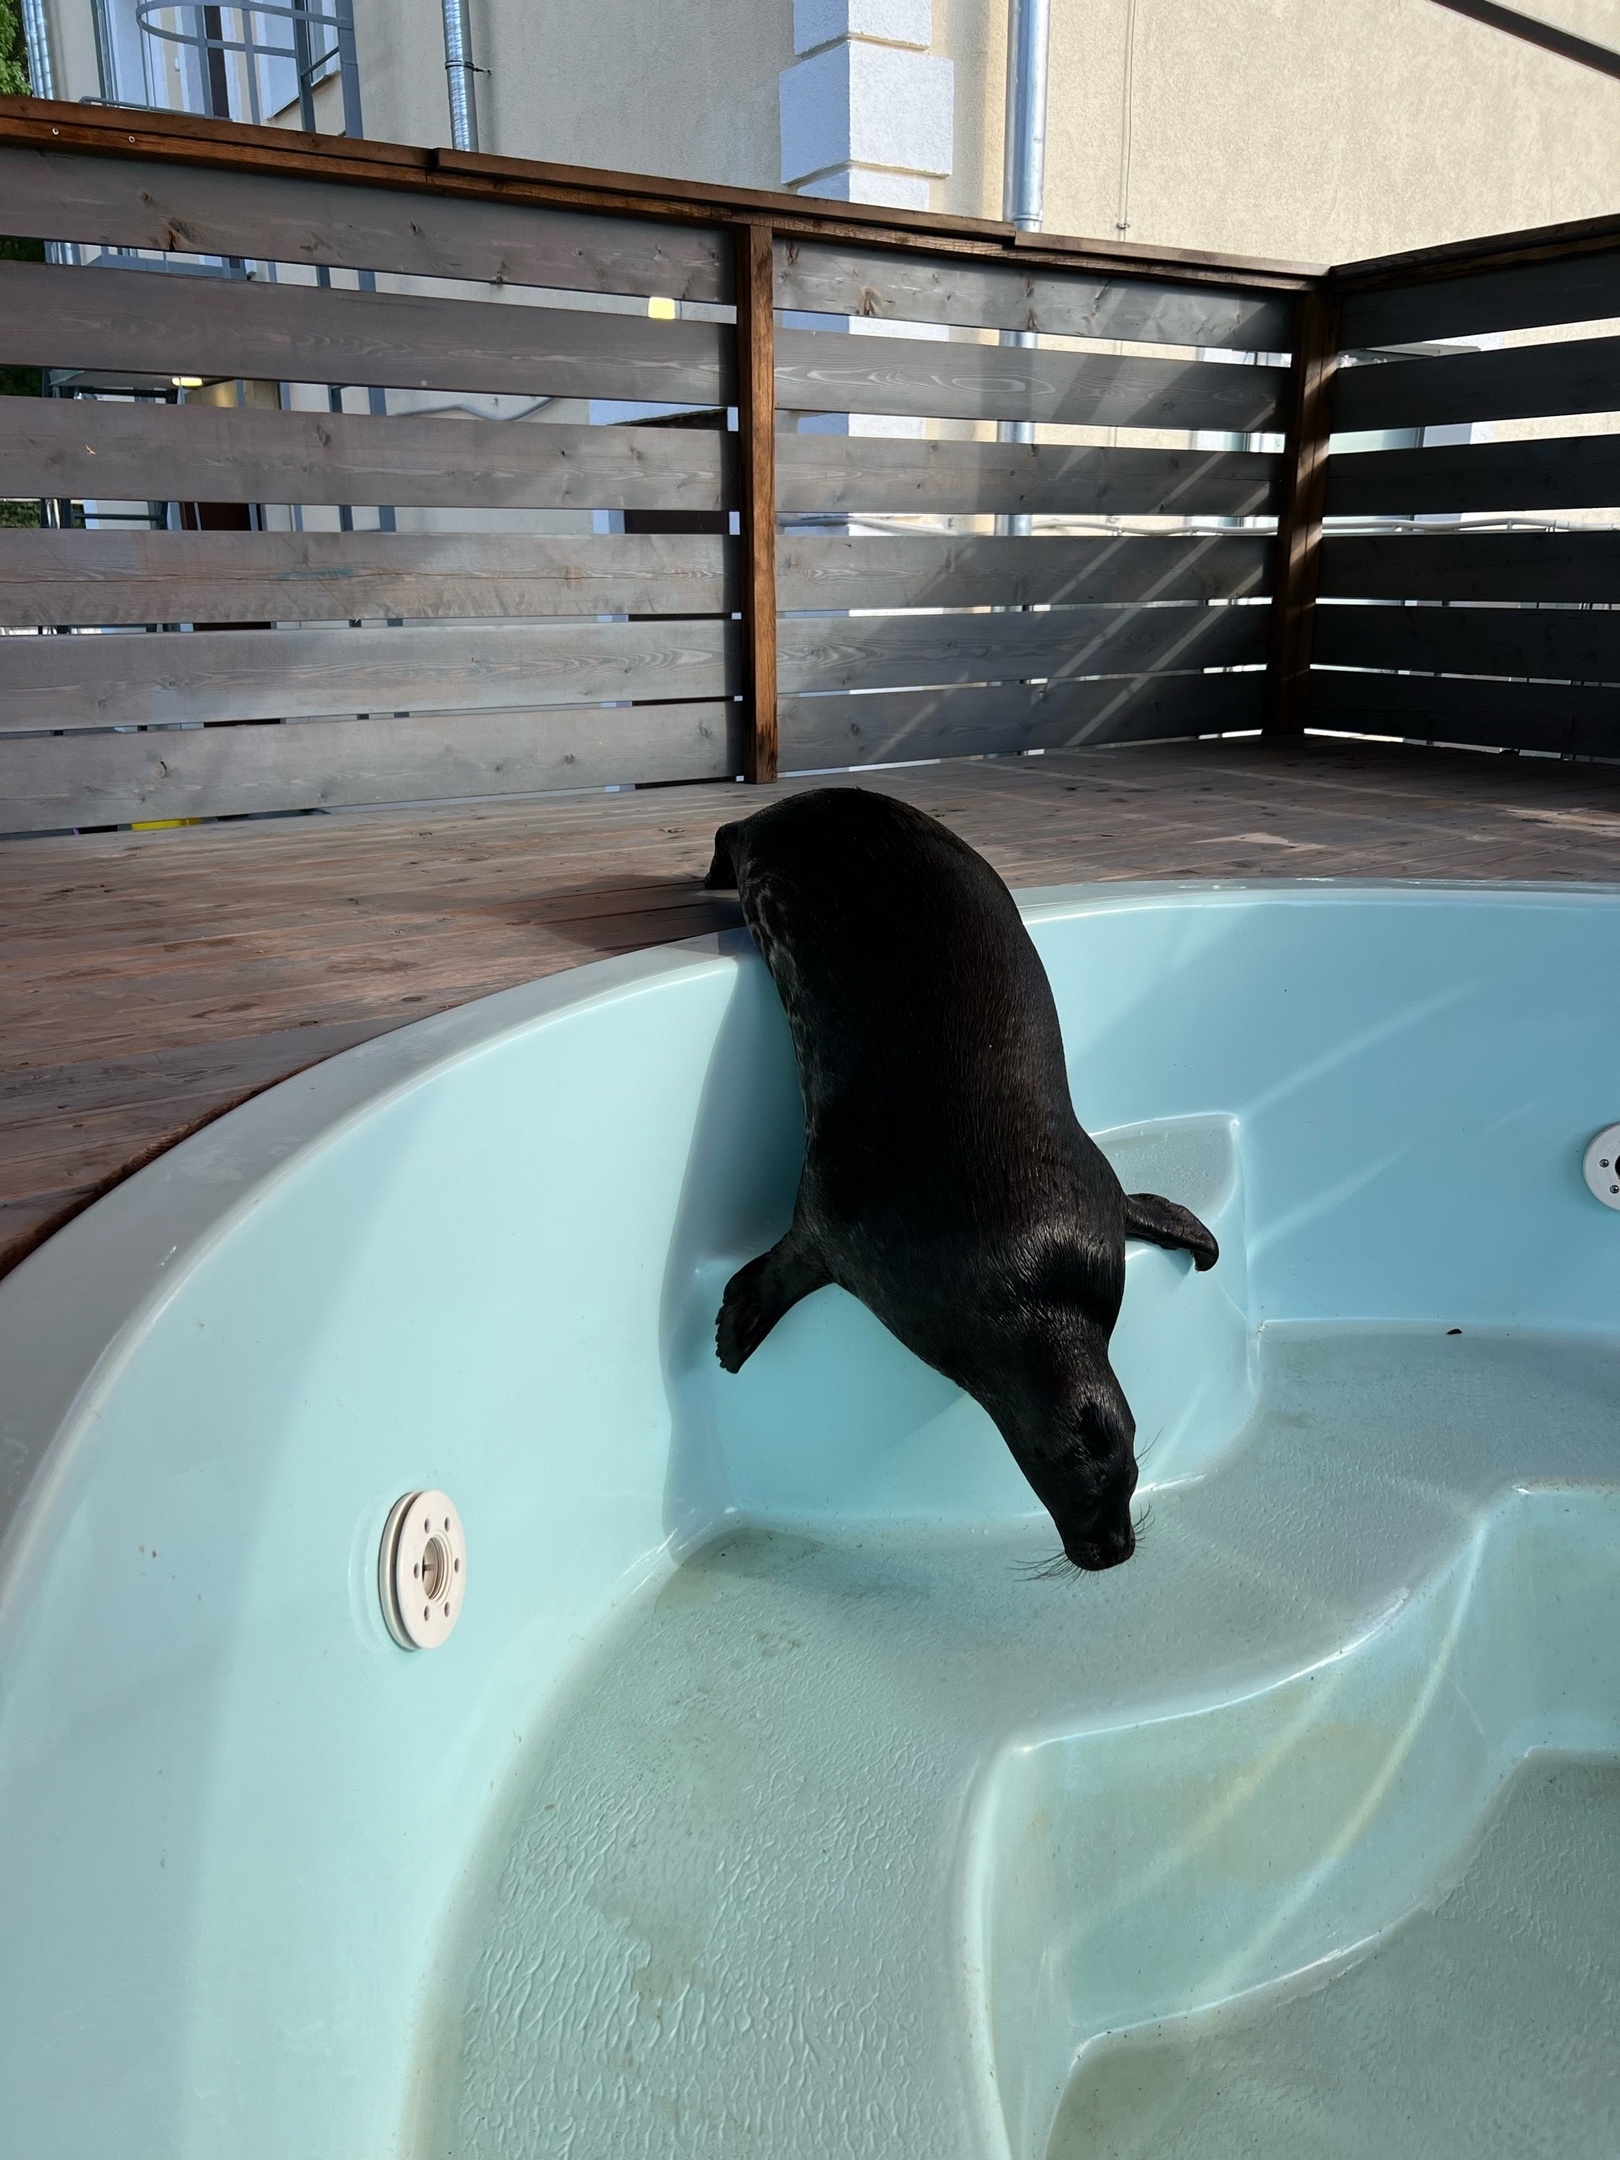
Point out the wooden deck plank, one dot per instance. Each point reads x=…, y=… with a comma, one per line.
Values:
x=156, y=979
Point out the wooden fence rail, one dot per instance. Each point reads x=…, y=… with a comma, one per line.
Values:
x=1471, y=617
x=652, y=482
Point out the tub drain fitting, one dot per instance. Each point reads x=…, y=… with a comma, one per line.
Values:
x=1602, y=1166
x=422, y=1569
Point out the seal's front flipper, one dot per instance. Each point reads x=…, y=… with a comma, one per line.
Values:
x=722, y=875
x=1161, y=1222
x=758, y=1295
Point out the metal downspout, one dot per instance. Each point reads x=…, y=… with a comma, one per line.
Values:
x=37, y=39
x=459, y=72
x=1023, y=186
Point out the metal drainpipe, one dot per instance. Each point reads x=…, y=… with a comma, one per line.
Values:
x=459, y=72
x=37, y=39
x=1023, y=187
x=42, y=83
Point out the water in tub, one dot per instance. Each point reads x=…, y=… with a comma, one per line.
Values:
x=864, y=1840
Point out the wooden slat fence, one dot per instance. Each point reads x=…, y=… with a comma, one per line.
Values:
x=861, y=608
x=656, y=483
x=1467, y=581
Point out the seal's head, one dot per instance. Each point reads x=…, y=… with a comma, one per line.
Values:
x=1072, y=1434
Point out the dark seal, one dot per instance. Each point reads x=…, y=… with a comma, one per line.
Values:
x=947, y=1183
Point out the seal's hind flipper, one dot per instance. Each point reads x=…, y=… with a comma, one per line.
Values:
x=1161, y=1222
x=722, y=875
x=759, y=1294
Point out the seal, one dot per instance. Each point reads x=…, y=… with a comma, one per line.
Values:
x=947, y=1183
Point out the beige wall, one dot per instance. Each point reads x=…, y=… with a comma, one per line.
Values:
x=1310, y=130
x=688, y=89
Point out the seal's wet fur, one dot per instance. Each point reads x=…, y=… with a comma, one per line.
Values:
x=947, y=1183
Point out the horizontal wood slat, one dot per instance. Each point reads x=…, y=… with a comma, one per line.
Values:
x=518, y=183
x=144, y=203
x=52, y=315
x=825, y=371
x=1571, y=472
x=55, y=781
x=1585, y=288
x=851, y=473
x=83, y=447
x=827, y=570
x=67, y=578
x=1006, y=718
x=1472, y=566
x=1518, y=383
x=877, y=652
x=1550, y=644
x=1569, y=719
x=821, y=278
x=125, y=679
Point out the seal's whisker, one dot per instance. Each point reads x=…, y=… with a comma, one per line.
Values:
x=1046, y=1570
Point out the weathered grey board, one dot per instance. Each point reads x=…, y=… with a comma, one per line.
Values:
x=125, y=679
x=1568, y=718
x=829, y=371
x=142, y=203
x=55, y=579
x=1472, y=566
x=48, y=782
x=52, y=315
x=1002, y=719
x=853, y=473
x=1518, y=383
x=831, y=570
x=1585, y=288
x=880, y=652
x=1549, y=644
x=1572, y=472
x=820, y=276
x=79, y=447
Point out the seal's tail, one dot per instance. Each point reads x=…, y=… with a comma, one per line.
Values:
x=722, y=875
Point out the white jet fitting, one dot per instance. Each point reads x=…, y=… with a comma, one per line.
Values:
x=1602, y=1166
x=422, y=1570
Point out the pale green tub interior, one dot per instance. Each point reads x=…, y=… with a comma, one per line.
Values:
x=761, y=1803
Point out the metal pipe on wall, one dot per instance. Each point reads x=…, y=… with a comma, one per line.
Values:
x=1023, y=187
x=459, y=72
x=1023, y=184
x=37, y=40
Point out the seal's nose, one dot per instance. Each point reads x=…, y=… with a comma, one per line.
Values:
x=1104, y=1549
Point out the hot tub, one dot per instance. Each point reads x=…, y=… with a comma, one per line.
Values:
x=763, y=1802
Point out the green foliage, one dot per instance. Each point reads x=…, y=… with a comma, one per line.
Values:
x=18, y=513
x=19, y=381
x=13, y=51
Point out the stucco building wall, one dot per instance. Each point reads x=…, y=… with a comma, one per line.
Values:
x=1310, y=130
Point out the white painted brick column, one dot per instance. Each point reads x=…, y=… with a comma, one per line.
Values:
x=867, y=109
x=867, y=116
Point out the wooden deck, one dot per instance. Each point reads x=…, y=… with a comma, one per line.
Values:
x=154, y=980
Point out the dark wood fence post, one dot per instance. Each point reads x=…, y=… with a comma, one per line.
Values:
x=756, y=462
x=1299, y=515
